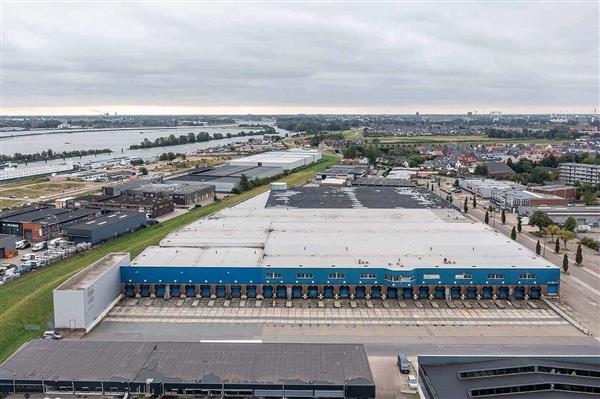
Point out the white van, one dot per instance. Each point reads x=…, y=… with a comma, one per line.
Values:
x=39, y=246
x=28, y=257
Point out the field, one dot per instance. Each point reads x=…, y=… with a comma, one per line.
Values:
x=354, y=134
x=456, y=140
x=26, y=303
x=7, y=203
x=39, y=189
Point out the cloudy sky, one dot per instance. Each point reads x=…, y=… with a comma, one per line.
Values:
x=253, y=57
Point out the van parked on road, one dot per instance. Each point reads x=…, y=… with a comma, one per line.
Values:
x=23, y=244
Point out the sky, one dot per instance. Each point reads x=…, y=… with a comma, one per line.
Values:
x=298, y=57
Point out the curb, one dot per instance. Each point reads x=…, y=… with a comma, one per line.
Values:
x=568, y=318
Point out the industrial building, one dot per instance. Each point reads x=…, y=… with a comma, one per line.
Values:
x=286, y=160
x=227, y=178
x=515, y=199
x=7, y=246
x=82, y=300
x=497, y=169
x=20, y=172
x=567, y=192
x=483, y=187
x=180, y=194
x=106, y=227
x=121, y=188
x=151, y=207
x=349, y=172
x=583, y=215
x=40, y=223
x=544, y=377
x=571, y=173
x=390, y=242
x=157, y=369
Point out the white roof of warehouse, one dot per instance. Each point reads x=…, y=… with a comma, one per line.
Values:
x=251, y=234
x=277, y=156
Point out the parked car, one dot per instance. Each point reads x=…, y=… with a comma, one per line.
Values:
x=22, y=244
x=54, y=242
x=152, y=222
x=51, y=334
x=39, y=246
x=412, y=382
x=28, y=257
x=403, y=363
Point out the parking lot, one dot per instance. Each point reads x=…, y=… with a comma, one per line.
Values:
x=340, y=312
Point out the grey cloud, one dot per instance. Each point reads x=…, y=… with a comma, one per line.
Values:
x=517, y=55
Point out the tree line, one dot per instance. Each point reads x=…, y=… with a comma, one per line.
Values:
x=49, y=155
x=555, y=133
x=191, y=138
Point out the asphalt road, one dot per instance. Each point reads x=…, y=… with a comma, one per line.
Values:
x=579, y=289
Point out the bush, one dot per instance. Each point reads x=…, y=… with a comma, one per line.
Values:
x=590, y=243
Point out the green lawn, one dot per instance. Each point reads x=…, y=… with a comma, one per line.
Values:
x=26, y=303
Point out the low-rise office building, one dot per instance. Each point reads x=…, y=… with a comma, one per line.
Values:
x=105, y=227
x=515, y=199
x=571, y=173
x=20, y=172
x=583, y=215
x=535, y=377
x=349, y=172
x=151, y=207
x=483, y=187
x=180, y=194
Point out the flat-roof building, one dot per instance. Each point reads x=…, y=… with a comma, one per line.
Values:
x=106, y=227
x=227, y=178
x=583, y=215
x=286, y=160
x=518, y=377
x=158, y=369
x=7, y=246
x=151, y=207
x=515, y=199
x=560, y=190
x=43, y=222
x=389, y=242
x=180, y=194
x=483, y=187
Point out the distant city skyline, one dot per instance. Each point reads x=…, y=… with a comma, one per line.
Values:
x=291, y=58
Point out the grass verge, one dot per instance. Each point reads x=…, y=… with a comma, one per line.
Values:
x=26, y=303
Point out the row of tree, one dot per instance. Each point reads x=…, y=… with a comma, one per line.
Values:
x=191, y=138
x=49, y=154
x=555, y=133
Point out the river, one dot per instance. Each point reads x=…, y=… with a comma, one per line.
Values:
x=117, y=140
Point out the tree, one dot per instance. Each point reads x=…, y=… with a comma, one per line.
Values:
x=570, y=224
x=519, y=225
x=456, y=184
x=474, y=202
x=487, y=217
x=372, y=153
x=466, y=205
x=481, y=169
x=590, y=198
x=513, y=233
x=540, y=220
x=538, y=248
x=503, y=216
x=553, y=230
x=143, y=171
x=579, y=255
x=350, y=152
x=451, y=199
x=566, y=264
x=566, y=236
x=557, y=246
x=244, y=183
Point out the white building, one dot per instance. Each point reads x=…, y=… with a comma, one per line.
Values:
x=31, y=171
x=287, y=160
x=571, y=173
x=82, y=301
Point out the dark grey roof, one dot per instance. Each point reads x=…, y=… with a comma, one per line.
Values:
x=228, y=171
x=498, y=167
x=190, y=362
x=106, y=220
x=382, y=181
x=441, y=375
x=50, y=215
x=357, y=197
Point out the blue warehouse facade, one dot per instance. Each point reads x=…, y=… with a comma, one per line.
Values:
x=340, y=282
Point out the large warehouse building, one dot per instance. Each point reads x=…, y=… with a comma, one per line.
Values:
x=390, y=242
x=287, y=160
x=170, y=369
